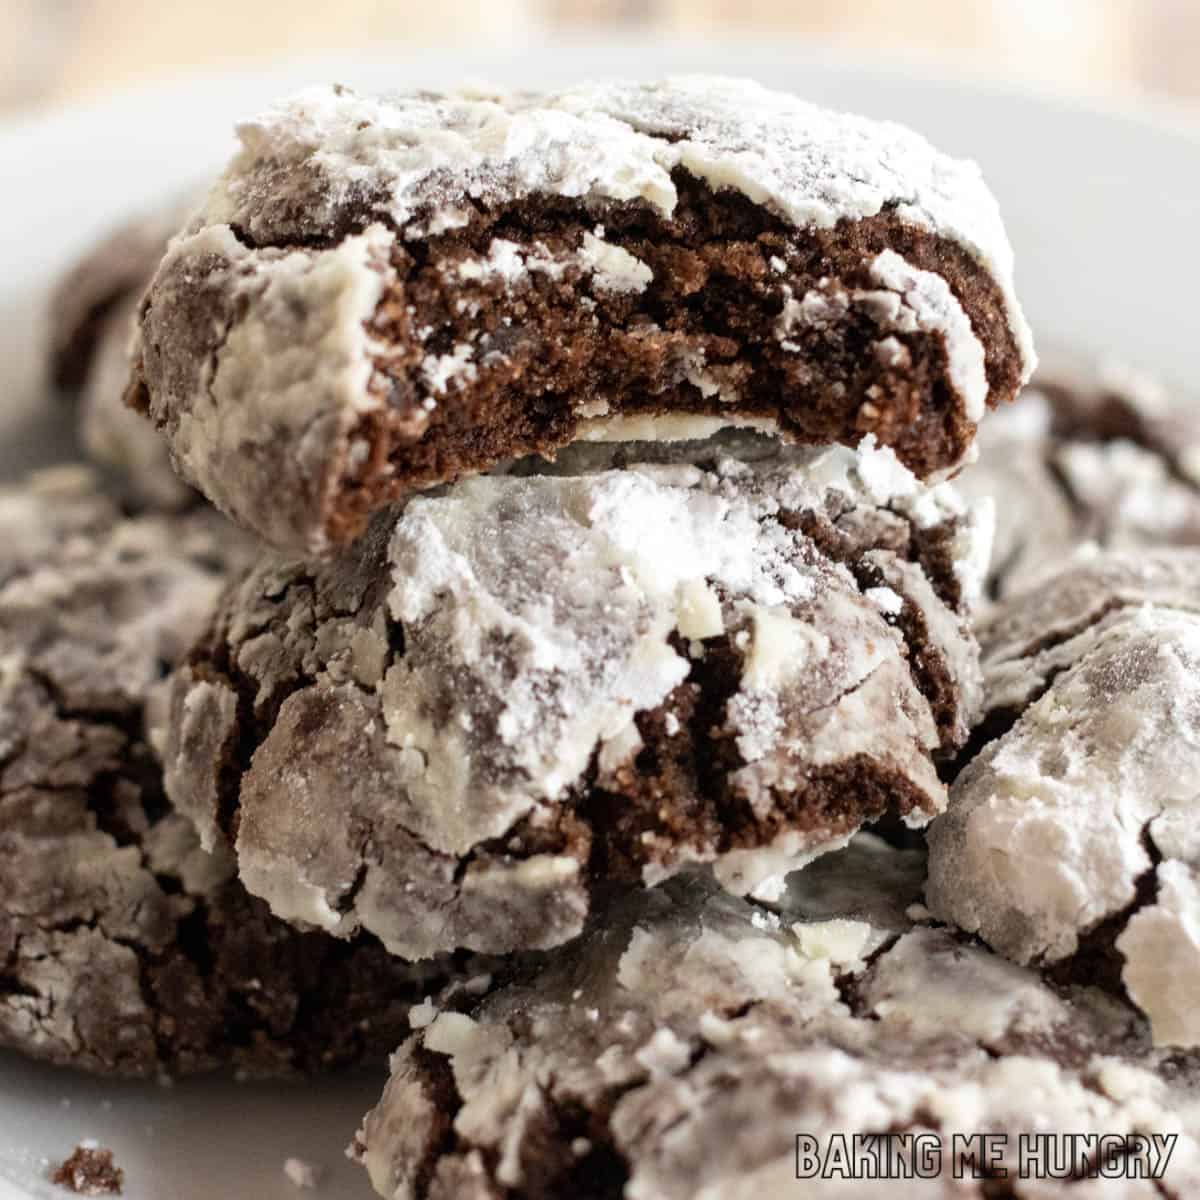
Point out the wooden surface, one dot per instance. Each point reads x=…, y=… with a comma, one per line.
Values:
x=57, y=51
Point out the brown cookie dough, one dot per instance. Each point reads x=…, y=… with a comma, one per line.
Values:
x=679, y=1048
x=1094, y=452
x=382, y=294
x=522, y=688
x=124, y=948
x=1071, y=838
x=92, y=317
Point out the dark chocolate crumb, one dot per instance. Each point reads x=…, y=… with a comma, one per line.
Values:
x=90, y=1171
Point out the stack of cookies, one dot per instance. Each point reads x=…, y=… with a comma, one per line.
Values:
x=596, y=577
x=483, y=688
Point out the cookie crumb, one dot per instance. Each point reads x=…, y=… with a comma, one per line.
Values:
x=90, y=1171
x=302, y=1174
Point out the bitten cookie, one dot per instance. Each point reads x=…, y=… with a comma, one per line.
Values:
x=683, y=1045
x=521, y=689
x=124, y=948
x=92, y=316
x=384, y=293
x=1071, y=838
x=1092, y=453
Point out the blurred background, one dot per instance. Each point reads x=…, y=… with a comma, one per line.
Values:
x=59, y=51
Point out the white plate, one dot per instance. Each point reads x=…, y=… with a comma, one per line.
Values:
x=1102, y=209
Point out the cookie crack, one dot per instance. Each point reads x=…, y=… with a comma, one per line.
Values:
x=1096, y=959
x=851, y=985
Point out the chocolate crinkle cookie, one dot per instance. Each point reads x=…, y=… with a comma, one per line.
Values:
x=384, y=293
x=1071, y=838
x=124, y=948
x=91, y=317
x=1094, y=452
x=523, y=688
x=679, y=1048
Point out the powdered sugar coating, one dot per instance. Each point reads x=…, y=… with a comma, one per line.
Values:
x=1030, y=640
x=1075, y=824
x=115, y=436
x=616, y=141
x=511, y=647
x=1094, y=452
x=293, y=370
x=1035, y=521
x=92, y=318
x=683, y=1015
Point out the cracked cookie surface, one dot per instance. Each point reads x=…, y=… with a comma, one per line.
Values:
x=1095, y=452
x=680, y=1046
x=92, y=316
x=1071, y=836
x=526, y=687
x=124, y=948
x=386, y=293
